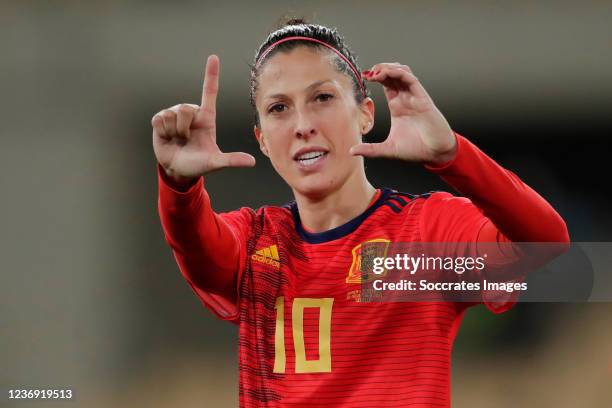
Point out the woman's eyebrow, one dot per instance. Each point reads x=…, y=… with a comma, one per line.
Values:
x=318, y=83
x=308, y=88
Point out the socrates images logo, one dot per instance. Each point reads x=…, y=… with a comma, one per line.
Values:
x=365, y=257
x=267, y=255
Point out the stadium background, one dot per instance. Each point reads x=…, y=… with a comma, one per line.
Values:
x=91, y=298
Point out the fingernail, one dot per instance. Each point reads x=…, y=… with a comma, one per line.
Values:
x=366, y=73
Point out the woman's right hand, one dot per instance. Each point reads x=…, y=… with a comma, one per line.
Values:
x=185, y=137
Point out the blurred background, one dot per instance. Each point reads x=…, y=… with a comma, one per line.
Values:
x=90, y=296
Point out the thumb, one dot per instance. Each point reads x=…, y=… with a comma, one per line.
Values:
x=372, y=150
x=233, y=159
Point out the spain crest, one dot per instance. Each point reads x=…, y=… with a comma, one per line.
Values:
x=363, y=259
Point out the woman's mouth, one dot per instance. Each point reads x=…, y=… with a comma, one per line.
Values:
x=311, y=160
x=310, y=157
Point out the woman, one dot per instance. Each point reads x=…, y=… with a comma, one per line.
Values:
x=287, y=274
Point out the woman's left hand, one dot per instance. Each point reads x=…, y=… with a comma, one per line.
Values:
x=419, y=132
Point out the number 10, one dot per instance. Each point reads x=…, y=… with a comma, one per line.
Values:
x=323, y=364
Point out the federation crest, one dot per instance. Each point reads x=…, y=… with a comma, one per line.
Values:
x=363, y=259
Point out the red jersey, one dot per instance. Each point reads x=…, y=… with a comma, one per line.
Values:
x=305, y=340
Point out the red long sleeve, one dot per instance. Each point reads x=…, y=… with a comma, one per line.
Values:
x=497, y=208
x=209, y=248
x=511, y=206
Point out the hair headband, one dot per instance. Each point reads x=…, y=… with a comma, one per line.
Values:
x=282, y=40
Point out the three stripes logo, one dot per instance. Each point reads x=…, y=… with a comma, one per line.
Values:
x=267, y=255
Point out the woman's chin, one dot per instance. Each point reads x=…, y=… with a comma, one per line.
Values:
x=315, y=187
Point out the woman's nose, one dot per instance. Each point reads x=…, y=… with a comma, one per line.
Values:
x=304, y=127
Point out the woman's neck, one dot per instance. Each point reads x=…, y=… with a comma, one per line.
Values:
x=320, y=214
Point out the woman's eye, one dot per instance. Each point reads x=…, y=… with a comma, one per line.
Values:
x=324, y=97
x=278, y=108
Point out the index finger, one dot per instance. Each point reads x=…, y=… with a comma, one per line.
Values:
x=387, y=74
x=211, y=84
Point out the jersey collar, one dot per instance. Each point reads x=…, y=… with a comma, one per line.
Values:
x=341, y=230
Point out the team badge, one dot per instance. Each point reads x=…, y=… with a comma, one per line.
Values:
x=363, y=259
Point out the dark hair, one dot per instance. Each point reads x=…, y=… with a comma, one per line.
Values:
x=299, y=27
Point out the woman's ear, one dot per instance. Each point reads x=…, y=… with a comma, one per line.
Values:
x=260, y=140
x=366, y=119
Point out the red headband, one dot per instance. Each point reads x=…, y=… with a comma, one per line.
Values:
x=269, y=49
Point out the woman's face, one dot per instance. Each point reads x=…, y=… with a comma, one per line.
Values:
x=309, y=120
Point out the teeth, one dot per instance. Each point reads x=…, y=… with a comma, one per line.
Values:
x=310, y=155
x=309, y=161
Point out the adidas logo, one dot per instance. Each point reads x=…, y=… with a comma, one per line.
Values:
x=267, y=255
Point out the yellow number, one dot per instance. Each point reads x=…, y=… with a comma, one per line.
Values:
x=279, y=336
x=323, y=364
